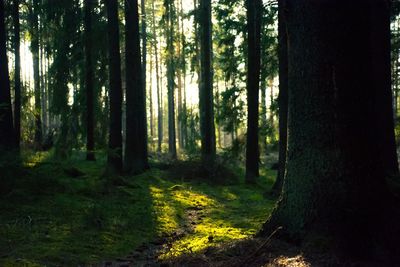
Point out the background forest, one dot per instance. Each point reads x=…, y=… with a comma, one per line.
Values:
x=156, y=132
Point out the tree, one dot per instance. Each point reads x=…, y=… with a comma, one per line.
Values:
x=254, y=13
x=283, y=96
x=115, y=135
x=136, y=137
x=17, y=78
x=7, y=135
x=335, y=180
x=89, y=82
x=159, y=95
x=206, y=104
x=170, y=62
x=34, y=30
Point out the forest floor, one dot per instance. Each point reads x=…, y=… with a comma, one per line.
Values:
x=68, y=214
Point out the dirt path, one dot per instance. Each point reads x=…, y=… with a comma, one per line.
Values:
x=147, y=254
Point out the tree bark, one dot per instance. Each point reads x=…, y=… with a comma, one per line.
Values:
x=206, y=104
x=89, y=82
x=254, y=13
x=136, y=137
x=7, y=134
x=283, y=96
x=114, y=160
x=335, y=181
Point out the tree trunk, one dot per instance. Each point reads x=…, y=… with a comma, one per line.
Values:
x=254, y=13
x=89, y=82
x=7, y=135
x=283, y=95
x=115, y=135
x=144, y=70
x=335, y=180
x=151, y=100
x=17, y=78
x=159, y=96
x=183, y=63
x=206, y=104
x=136, y=137
x=264, y=121
x=170, y=78
x=34, y=13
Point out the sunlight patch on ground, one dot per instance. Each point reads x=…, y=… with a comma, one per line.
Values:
x=297, y=261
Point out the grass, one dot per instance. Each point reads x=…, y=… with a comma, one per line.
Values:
x=50, y=218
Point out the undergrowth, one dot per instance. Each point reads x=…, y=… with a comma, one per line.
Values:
x=52, y=217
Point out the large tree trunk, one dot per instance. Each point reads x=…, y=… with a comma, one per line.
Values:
x=339, y=69
x=206, y=104
x=254, y=13
x=136, y=137
x=283, y=96
x=34, y=21
x=170, y=77
x=115, y=92
x=7, y=137
x=17, y=77
x=89, y=82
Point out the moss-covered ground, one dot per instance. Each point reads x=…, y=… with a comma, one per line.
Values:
x=69, y=214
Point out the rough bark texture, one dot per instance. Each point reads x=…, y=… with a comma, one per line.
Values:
x=89, y=82
x=283, y=96
x=115, y=135
x=7, y=138
x=335, y=182
x=254, y=10
x=206, y=98
x=136, y=136
x=17, y=77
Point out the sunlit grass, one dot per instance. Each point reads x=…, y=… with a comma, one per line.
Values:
x=50, y=218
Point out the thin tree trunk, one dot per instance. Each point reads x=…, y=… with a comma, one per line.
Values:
x=151, y=99
x=206, y=104
x=17, y=78
x=144, y=69
x=170, y=77
x=283, y=96
x=36, y=70
x=159, y=96
x=183, y=62
x=264, y=121
x=89, y=82
x=115, y=135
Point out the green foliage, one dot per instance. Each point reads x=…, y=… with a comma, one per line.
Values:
x=51, y=218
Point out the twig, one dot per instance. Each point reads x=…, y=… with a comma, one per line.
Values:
x=261, y=246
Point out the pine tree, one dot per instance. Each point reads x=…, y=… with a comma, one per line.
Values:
x=254, y=13
x=115, y=135
x=335, y=179
x=7, y=135
x=206, y=104
x=136, y=137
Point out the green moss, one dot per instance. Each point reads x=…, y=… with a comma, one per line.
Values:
x=50, y=218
